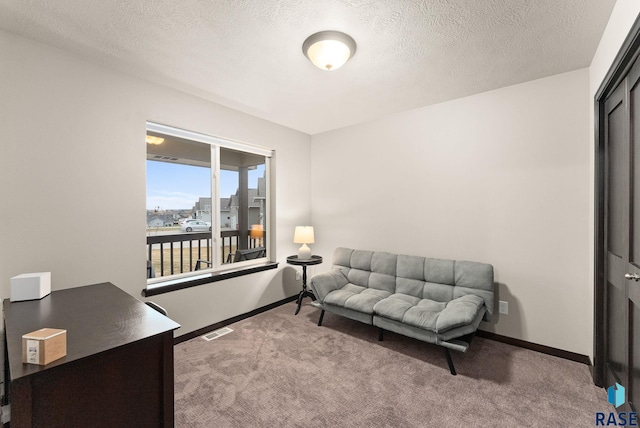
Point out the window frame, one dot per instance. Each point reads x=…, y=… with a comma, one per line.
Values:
x=218, y=270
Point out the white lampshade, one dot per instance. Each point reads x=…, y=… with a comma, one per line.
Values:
x=304, y=235
x=329, y=50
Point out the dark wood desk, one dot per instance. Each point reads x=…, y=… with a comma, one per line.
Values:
x=118, y=371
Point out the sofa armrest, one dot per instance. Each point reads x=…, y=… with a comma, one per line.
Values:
x=460, y=312
x=326, y=282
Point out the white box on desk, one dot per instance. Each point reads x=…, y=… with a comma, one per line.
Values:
x=30, y=286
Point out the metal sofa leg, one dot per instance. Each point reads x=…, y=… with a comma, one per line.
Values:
x=321, y=316
x=449, y=361
x=380, y=331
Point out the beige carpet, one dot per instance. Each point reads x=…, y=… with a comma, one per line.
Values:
x=281, y=370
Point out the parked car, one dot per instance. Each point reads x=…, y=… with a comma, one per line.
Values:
x=195, y=226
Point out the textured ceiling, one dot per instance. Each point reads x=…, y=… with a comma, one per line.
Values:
x=248, y=55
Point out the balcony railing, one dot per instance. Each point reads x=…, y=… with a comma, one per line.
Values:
x=187, y=252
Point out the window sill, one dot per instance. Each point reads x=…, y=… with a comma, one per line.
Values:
x=206, y=279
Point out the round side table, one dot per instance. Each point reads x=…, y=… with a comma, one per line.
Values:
x=294, y=260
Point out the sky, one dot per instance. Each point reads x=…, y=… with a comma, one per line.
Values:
x=173, y=186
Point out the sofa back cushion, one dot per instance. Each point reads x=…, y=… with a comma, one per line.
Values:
x=370, y=269
x=425, y=278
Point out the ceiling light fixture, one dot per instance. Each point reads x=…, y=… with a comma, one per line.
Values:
x=329, y=50
x=154, y=140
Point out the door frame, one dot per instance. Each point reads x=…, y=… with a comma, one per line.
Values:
x=628, y=53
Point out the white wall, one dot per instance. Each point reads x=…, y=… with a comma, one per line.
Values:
x=72, y=168
x=500, y=177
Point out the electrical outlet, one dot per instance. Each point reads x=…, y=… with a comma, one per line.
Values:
x=503, y=307
x=298, y=275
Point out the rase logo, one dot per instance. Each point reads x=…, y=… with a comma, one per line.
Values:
x=616, y=396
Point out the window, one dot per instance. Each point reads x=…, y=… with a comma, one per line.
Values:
x=207, y=206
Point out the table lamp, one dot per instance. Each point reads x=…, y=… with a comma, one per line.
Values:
x=257, y=232
x=304, y=235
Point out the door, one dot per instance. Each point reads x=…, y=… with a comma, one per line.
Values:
x=622, y=237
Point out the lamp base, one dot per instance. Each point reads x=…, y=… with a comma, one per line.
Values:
x=304, y=252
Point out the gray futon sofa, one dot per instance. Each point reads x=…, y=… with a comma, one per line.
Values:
x=433, y=300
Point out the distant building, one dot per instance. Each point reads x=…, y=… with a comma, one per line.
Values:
x=227, y=219
x=229, y=207
x=202, y=209
x=159, y=220
x=255, y=206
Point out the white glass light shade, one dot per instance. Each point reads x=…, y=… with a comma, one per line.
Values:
x=328, y=54
x=329, y=50
x=154, y=140
x=304, y=235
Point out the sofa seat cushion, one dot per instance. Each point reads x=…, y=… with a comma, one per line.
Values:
x=437, y=317
x=355, y=297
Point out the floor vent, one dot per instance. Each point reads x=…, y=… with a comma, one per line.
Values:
x=216, y=334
